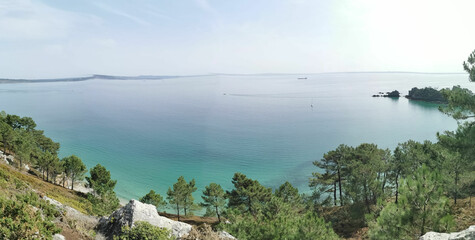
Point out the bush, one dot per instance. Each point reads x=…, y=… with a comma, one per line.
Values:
x=279, y=220
x=103, y=205
x=143, y=231
x=19, y=220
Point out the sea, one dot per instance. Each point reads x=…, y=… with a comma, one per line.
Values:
x=271, y=127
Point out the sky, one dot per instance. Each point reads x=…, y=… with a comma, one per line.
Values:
x=57, y=38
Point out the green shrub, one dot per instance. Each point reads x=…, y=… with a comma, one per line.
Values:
x=144, y=231
x=279, y=220
x=103, y=205
x=19, y=220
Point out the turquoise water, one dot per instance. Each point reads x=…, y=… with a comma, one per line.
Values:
x=148, y=133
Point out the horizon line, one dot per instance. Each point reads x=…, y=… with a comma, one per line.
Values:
x=152, y=76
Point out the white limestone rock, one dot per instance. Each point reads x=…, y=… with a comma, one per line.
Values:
x=136, y=211
x=225, y=235
x=58, y=237
x=467, y=234
x=53, y=202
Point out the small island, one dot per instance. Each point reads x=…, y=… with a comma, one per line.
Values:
x=393, y=94
x=427, y=94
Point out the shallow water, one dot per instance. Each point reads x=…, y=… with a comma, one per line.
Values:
x=148, y=133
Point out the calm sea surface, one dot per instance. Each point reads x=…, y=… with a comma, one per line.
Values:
x=148, y=133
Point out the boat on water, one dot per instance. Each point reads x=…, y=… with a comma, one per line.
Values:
x=302, y=78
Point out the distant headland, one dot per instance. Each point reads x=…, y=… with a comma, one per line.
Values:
x=86, y=78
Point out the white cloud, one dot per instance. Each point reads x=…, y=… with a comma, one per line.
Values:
x=24, y=19
x=122, y=14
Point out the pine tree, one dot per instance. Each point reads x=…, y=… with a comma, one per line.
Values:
x=333, y=164
x=153, y=198
x=248, y=195
x=214, y=197
x=75, y=169
x=421, y=208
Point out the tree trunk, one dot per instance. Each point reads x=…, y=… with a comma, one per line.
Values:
x=397, y=186
x=217, y=213
x=178, y=211
x=339, y=187
x=184, y=207
x=72, y=182
x=456, y=188
x=423, y=221
x=47, y=175
x=334, y=193
x=366, y=197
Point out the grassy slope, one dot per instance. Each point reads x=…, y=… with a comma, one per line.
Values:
x=71, y=198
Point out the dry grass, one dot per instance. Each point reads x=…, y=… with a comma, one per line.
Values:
x=464, y=213
x=71, y=198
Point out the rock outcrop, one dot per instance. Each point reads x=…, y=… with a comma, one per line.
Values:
x=58, y=237
x=465, y=234
x=71, y=215
x=136, y=211
x=393, y=94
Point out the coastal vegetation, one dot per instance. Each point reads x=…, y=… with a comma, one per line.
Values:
x=426, y=94
x=393, y=194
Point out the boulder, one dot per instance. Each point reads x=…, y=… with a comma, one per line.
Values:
x=204, y=231
x=58, y=237
x=136, y=211
x=465, y=234
x=225, y=235
x=53, y=202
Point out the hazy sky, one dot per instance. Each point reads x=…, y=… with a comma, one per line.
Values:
x=59, y=38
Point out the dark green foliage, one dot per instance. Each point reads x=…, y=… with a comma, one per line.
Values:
x=334, y=164
x=394, y=93
x=461, y=103
x=469, y=66
x=180, y=197
x=426, y=94
x=6, y=134
x=279, y=220
x=154, y=199
x=74, y=169
x=214, y=199
x=19, y=220
x=421, y=208
x=143, y=231
x=104, y=204
x=189, y=205
x=460, y=160
x=104, y=201
x=288, y=193
x=17, y=122
x=248, y=195
x=364, y=183
x=100, y=180
x=23, y=147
